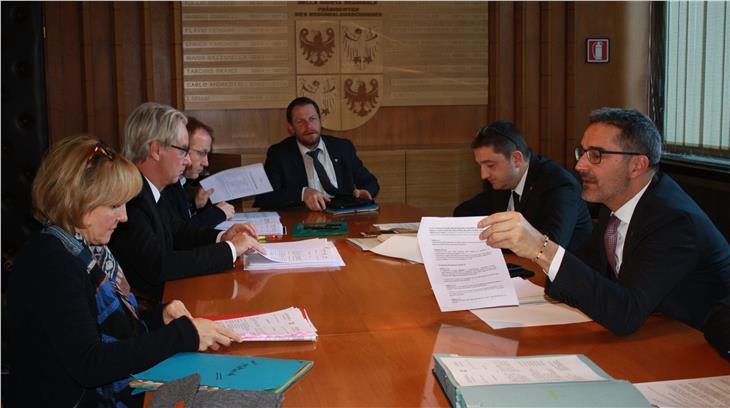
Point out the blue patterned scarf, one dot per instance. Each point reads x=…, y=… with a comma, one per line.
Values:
x=117, y=317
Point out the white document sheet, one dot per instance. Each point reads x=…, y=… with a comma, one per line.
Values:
x=464, y=272
x=696, y=392
x=266, y=223
x=310, y=253
x=534, y=310
x=238, y=182
x=469, y=371
x=286, y=324
x=400, y=246
x=365, y=244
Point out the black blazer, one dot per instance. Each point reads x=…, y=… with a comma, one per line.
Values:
x=285, y=168
x=674, y=261
x=551, y=202
x=153, y=247
x=54, y=336
x=176, y=201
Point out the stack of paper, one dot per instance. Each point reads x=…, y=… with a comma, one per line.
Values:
x=535, y=381
x=266, y=223
x=310, y=253
x=290, y=324
x=398, y=227
x=224, y=372
x=534, y=310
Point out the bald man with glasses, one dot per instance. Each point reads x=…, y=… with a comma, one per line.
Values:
x=653, y=251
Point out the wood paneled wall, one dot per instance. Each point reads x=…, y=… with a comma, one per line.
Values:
x=105, y=58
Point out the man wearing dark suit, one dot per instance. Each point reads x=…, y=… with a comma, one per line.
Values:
x=546, y=194
x=153, y=246
x=196, y=208
x=309, y=168
x=654, y=249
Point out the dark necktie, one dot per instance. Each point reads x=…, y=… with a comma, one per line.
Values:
x=609, y=241
x=515, y=201
x=321, y=173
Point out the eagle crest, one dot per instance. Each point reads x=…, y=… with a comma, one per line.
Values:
x=360, y=100
x=322, y=93
x=318, y=50
x=360, y=46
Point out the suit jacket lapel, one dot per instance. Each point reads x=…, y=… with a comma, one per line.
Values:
x=532, y=174
x=637, y=221
x=152, y=208
x=337, y=163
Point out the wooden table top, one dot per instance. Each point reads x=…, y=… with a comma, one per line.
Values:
x=379, y=324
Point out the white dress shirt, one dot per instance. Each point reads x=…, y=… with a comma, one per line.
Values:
x=324, y=158
x=624, y=214
x=519, y=189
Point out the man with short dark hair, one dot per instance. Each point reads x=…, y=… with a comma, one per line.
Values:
x=309, y=168
x=190, y=202
x=653, y=250
x=546, y=194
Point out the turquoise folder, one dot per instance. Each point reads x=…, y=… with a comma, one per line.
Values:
x=229, y=372
x=606, y=393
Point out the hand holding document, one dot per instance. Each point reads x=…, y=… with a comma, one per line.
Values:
x=310, y=253
x=464, y=272
x=238, y=182
x=266, y=223
x=290, y=324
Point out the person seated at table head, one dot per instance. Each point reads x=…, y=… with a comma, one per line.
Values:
x=155, y=246
x=186, y=198
x=309, y=168
x=546, y=194
x=653, y=249
x=76, y=332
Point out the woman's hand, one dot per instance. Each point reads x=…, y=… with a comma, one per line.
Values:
x=173, y=310
x=212, y=335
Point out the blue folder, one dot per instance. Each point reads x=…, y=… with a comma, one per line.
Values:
x=606, y=393
x=229, y=372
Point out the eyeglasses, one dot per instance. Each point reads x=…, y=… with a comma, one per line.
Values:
x=594, y=154
x=202, y=154
x=184, y=151
x=100, y=149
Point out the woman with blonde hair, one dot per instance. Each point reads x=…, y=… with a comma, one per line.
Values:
x=76, y=331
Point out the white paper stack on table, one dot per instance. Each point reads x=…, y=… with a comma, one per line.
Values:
x=266, y=223
x=398, y=227
x=534, y=310
x=309, y=253
x=290, y=324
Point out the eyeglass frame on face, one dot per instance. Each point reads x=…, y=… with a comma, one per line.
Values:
x=182, y=149
x=201, y=153
x=100, y=149
x=580, y=151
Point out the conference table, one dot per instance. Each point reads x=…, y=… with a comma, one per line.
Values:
x=379, y=325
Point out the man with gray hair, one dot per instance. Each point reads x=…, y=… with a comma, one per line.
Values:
x=653, y=250
x=154, y=246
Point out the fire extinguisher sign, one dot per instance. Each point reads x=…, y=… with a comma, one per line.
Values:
x=597, y=50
